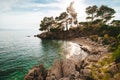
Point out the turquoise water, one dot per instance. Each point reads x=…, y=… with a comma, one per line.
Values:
x=19, y=53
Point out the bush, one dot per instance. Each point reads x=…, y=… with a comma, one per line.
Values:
x=54, y=30
x=116, y=55
x=94, y=38
x=106, y=39
x=118, y=37
x=109, y=40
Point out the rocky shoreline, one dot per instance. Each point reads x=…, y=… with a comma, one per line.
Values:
x=70, y=69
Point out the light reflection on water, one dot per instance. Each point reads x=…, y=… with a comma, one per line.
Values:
x=73, y=51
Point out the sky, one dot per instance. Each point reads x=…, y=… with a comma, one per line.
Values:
x=27, y=14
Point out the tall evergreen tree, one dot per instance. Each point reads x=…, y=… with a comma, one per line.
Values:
x=91, y=12
x=105, y=13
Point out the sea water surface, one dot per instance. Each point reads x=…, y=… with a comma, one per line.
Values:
x=20, y=51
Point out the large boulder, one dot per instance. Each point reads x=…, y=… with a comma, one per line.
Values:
x=66, y=68
x=36, y=73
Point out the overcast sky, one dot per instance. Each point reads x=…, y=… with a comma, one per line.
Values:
x=26, y=14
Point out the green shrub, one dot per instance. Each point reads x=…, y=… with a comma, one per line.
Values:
x=118, y=37
x=116, y=55
x=94, y=37
x=108, y=40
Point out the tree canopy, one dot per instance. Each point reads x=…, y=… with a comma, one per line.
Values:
x=91, y=12
x=105, y=13
x=46, y=23
x=66, y=19
x=61, y=22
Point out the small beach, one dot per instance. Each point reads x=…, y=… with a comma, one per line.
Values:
x=89, y=44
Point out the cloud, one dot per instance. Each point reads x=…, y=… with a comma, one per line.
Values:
x=6, y=5
x=28, y=13
x=16, y=14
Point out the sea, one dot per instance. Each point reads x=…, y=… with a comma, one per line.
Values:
x=20, y=51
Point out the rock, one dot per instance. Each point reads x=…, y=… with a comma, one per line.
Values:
x=94, y=52
x=36, y=73
x=79, y=65
x=101, y=75
x=65, y=69
x=45, y=35
x=68, y=68
x=58, y=34
x=118, y=65
x=72, y=77
x=93, y=58
x=112, y=69
x=88, y=66
x=52, y=77
x=85, y=63
x=96, y=65
x=86, y=72
x=35, y=35
x=85, y=49
x=56, y=70
x=77, y=74
x=61, y=69
x=65, y=78
x=117, y=76
x=88, y=78
x=104, y=58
